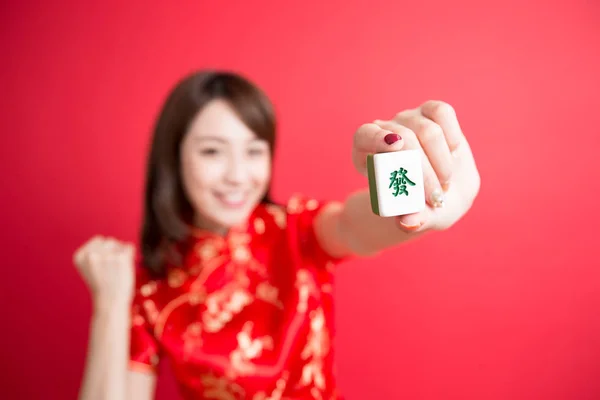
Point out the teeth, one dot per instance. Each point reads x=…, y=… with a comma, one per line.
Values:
x=233, y=197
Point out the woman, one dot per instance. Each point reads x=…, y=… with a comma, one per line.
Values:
x=233, y=289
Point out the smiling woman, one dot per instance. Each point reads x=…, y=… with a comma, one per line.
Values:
x=210, y=161
x=234, y=290
x=225, y=167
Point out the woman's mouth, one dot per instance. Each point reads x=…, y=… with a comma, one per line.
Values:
x=232, y=199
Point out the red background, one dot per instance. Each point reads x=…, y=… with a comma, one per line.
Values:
x=505, y=305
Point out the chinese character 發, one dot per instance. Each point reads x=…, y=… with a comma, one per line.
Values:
x=399, y=180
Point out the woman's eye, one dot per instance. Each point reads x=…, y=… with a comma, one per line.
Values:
x=209, y=152
x=256, y=152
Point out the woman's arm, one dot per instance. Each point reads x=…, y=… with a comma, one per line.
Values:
x=105, y=370
x=107, y=267
x=352, y=228
x=106, y=374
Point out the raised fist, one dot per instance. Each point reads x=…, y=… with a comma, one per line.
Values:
x=107, y=266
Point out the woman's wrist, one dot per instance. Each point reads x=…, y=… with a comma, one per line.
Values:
x=111, y=304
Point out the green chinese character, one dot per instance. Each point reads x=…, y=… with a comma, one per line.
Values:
x=399, y=180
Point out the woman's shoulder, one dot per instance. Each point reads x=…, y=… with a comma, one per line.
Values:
x=295, y=220
x=297, y=206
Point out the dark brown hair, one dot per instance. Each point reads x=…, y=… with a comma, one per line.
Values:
x=167, y=213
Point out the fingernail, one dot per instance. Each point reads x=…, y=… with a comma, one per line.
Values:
x=411, y=227
x=391, y=138
x=437, y=198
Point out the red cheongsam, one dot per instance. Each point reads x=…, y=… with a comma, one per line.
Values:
x=250, y=314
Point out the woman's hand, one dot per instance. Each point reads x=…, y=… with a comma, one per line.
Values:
x=451, y=178
x=107, y=266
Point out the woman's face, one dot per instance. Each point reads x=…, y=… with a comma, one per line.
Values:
x=225, y=168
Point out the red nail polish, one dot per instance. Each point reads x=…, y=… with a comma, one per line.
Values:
x=391, y=138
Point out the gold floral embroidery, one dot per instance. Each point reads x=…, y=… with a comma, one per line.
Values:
x=259, y=226
x=241, y=254
x=248, y=349
x=148, y=288
x=277, y=393
x=327, y=288
x=294, y=206
x=318, y=339
x=243, y=262
x=154, y=360
x=312, y=204
x=193, y=298
x=136, y=318
x=223, y=304
x=258, y=267
x=316, y=394
x=151, y=310
x=176, y=277
x=208, y=268
x=197, y=297
x=207, y=250
x=192, y=338
x=268, y=293
x=219, y=388
x=239, y=239
x=314, y=352
x=306, y=288
x=239, y=245
x=278, y=215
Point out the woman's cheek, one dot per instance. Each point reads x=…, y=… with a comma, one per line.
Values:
x=207, y=172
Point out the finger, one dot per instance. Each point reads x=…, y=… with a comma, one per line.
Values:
x=433, y=189
x=129, y=249
x=444, y=115
x=371, y=139
x=85, y=265
x=80, y=255
x=111, y=245
x=434, y=143
x=126, y=251
x=415, y=222
x=96, y=244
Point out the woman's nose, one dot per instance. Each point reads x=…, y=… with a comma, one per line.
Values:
x=236, y=171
